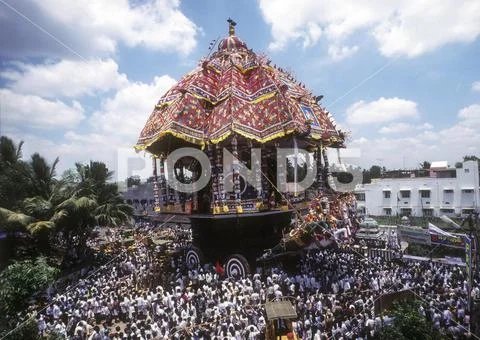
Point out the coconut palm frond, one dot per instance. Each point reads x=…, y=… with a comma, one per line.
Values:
x=11, y=220
x=60, y=214
x=40, y=226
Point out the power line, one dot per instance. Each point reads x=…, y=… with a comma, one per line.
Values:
x=60, y=42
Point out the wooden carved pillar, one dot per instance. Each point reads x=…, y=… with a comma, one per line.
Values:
x=156, y=194
x=236, y=176
x=328, y=175
x=258, y=180
x=214, y=204
x=222, y=195
x=171, y=192
x=265, y=183
x=182, y=197
x=163, y=183
x=194, y=202
x=281, y=168
x=320, y=170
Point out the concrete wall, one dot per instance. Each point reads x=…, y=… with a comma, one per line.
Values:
x=428, y=195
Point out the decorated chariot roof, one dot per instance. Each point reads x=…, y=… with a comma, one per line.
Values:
x=236, y=91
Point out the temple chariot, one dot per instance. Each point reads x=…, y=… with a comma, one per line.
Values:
x=236, y=101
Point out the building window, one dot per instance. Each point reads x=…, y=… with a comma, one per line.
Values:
x=447, y=211
x=466, y=170
x=387, y=211
x=405, y=193
x=467, y=191
x=360, y=196
x=406, y=211
x=427, y=212
x=386, y=194
x=425, y=193
x=448, y=191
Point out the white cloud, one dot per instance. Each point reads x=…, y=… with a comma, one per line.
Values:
x=424, y=143
x=470, y=116
x=313, y=35
x=381, y=111
x=66, y=78
x=425, y=126
x=404, y=128
x=127, y=111
x=155, y=24
x=75, y=147
x=395, y=128
x=338, y=53
x=114, y=130
x=33, y=111
x=400, y=27
x=476, y=86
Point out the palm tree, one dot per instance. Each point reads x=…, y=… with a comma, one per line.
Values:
x=42, y=175
x=10, y=153
x=14, y=174
x=75, y=218
x=111, y=210
x=34, y=201
x=11, y=221
x=425, y=165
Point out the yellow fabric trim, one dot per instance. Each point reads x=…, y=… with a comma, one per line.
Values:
x=245, y=70
x=140, y=147
x=202, y=143
x=213, y=69
x=265, y=96
x=239, y=209
x=268, y=68
x=250, y=136
x=163, y=104
x=203, y=98
x=221, y=138
x=225, y=209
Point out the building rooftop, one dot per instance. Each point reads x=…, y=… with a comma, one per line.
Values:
x=439, y=165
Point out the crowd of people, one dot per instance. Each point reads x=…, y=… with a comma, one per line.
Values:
x=334, y=291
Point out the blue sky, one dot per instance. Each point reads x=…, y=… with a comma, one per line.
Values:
x=79, y=79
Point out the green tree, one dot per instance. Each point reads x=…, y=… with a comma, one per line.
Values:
x=375, y=171
x=409, y=324
x=111, y=210
x=133, y=180
x=470, y=158
x=14, y=174
x=367, y=178
x=26, y=330
x=75, y=218
x=425, y=165
x=42, y=176
x=95, y=180
x=19, y=282
x=33, y=200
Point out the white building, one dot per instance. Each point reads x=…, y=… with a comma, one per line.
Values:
x=441, y=190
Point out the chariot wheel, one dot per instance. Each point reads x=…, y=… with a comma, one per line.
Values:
x=193, y=257
x=237, y=266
